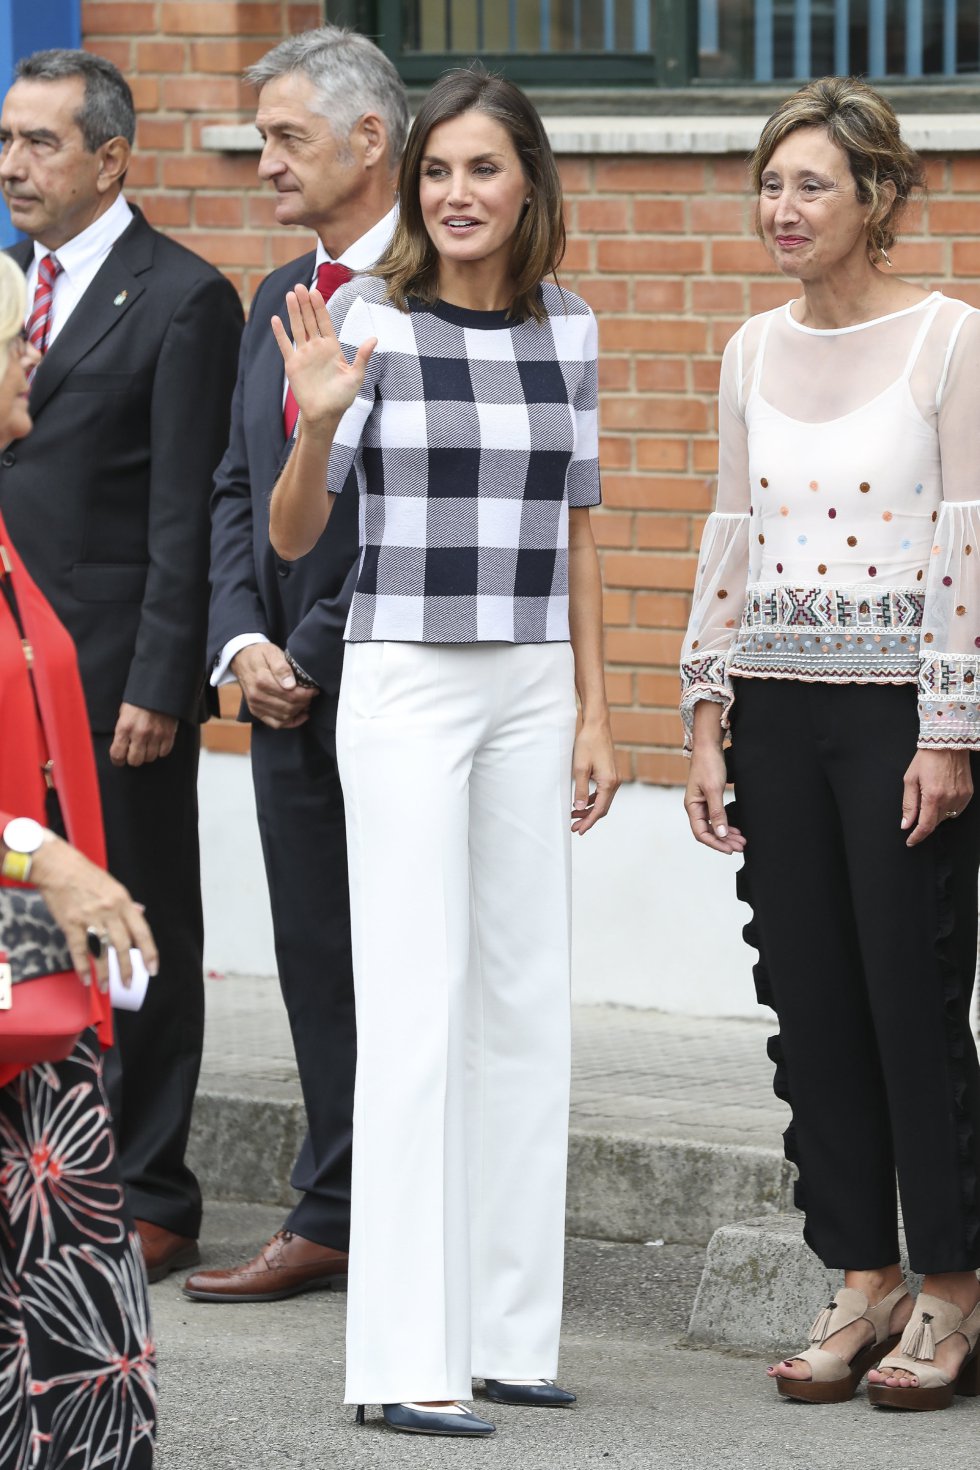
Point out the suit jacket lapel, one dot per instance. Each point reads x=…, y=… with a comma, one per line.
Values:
x=269, y=375
x=23, y=253
x=271, y=371
x=104, y=304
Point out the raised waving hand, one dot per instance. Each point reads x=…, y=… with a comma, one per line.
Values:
x=324, y=385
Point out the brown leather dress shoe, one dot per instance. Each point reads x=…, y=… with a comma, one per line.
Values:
x=163, y=1251
x=287, y=1265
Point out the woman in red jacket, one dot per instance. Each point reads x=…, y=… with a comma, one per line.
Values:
x=77, y=1367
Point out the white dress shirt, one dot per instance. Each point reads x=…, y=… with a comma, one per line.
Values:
x=80, y=259
x=358, y=257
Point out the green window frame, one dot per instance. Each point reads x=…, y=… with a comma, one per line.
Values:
x=672, y=64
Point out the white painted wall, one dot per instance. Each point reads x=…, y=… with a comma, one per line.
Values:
x=656, y=921
x=237, y=922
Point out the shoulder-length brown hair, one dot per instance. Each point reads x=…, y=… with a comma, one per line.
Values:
x=864, y=126
x=410, y=265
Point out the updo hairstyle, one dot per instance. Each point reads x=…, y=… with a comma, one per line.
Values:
x=864, y=126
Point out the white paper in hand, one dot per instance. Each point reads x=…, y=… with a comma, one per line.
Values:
x=131, y=998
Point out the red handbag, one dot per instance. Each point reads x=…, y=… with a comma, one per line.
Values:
x=44, y=1006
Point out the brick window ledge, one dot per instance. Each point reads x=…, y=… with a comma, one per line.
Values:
x=930, y=132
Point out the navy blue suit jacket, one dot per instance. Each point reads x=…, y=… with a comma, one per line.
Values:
x=303, y=603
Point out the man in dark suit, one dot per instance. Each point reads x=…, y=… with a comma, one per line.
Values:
x=108, y=503
x=333, y=115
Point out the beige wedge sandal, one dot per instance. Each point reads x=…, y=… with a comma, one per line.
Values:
x=833, y=1381
x=933, y=1321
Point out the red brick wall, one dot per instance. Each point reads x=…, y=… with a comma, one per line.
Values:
x=662, y=248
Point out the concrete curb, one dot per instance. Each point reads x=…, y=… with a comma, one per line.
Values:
x=762, y=1286
x=243, y=1148
x=620, y=1186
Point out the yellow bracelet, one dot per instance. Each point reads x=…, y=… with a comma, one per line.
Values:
x=17, y=865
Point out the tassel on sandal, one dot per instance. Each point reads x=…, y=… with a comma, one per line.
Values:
x=933, y=1321
x=832, y=1381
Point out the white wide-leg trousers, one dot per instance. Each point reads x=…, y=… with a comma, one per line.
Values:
x=456, y=767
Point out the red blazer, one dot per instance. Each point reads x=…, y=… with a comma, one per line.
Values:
x=59, y=692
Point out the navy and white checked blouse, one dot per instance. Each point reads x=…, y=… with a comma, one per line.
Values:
x=469, y=440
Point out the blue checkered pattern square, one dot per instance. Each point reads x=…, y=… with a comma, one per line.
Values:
x=470, y=439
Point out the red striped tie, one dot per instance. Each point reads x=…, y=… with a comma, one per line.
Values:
x=39, y=321
x=328, y=277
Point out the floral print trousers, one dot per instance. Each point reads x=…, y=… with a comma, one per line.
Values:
x=77, y=1361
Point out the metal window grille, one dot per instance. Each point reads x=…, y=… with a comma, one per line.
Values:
x=773, y=40
x=543, y=27
x=561, y=41
x=583, y=43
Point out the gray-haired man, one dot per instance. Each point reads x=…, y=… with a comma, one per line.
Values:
x=333, y=115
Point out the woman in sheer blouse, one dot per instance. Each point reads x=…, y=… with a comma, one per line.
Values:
x=836, y=635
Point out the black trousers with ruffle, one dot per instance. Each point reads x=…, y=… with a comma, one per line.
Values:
x=867, y=953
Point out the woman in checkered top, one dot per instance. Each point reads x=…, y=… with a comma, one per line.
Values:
x=455, y=390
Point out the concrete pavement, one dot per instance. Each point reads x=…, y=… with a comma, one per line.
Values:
x=676, y=1138
x=675, y=1129
x=259, y=1387
x=676, y=1132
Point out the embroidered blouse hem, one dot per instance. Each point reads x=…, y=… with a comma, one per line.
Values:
x=838, y=635
x=842, y=635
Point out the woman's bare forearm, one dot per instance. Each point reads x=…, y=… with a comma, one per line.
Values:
x=585, y=619
x=594, y=776
x=707, y=724
x=301, y=503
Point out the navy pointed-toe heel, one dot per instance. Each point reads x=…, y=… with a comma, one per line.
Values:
x=543, y=1395
x=409, y=1420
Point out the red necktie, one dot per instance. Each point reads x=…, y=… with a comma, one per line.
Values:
x=39, y=321
x=328, y=277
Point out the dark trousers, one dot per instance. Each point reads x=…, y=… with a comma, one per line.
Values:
x=301, y=822
x=151, y=1073
x=867, y=952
